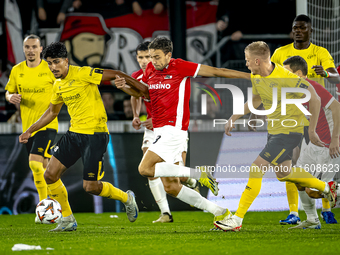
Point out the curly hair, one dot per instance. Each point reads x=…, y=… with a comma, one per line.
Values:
x=55, y=50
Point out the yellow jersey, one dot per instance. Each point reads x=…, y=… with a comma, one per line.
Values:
x=314, y=55
x=280, y=78
x=35, y=85
x=79, y=91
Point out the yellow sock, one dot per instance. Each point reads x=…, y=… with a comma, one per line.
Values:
x=300, y=176
x=292, y=196
x=59, y=193
x=325, y=205
x=39, y=180
x=252, y=190
x=112, y=192
x=48, y=190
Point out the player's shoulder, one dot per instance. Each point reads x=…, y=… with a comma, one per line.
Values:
x=137, y=73
x=317, y=86
x=18, y=66
x=317, y=48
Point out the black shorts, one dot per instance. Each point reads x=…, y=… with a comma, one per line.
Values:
x=279, y=148
x=90, y=148
x=41, y=143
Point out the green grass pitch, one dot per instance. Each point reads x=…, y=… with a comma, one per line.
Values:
x=189, y=234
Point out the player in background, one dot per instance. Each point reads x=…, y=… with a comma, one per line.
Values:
x=155, y=184
x=168, y=80
x=30, y=85
x=320, y=66
x=88, y=135
x=322, y=162
x=282, y=139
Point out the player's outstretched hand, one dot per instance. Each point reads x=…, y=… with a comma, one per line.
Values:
x=148, y=124
x=15, y=99
x=334, y=150
x=228, y=127
x=314, y=138
x=319, y=70
x=136, y=123
x=23, y=138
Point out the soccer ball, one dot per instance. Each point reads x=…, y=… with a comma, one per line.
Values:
x=48, y=211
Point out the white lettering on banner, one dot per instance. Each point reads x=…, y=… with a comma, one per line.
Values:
x=159, y=86
x=121, y=52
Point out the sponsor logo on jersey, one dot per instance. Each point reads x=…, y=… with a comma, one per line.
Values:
x=160, y=86
x=168, y=77
x=42, y=74
x=71, y=97
x=91, y=175
x=311, y=56
x=71, y=82
x=34, y=90
x=21, y=75
x=40, y=150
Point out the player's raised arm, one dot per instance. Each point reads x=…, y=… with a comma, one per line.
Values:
x=210, y=71
x=50, y=114
x=135, y=88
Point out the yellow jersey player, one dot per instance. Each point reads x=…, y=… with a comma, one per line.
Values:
x=88, y=135
x=282, y=138
x=320, y=66
x=30, y=85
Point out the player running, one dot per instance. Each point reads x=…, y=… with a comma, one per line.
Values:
x=281, y=139
x=88, y=135
x=169, y=89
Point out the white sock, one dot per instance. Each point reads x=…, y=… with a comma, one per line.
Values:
x=164, y=169
x=308, y=206
x=326, y=190
x=326, y=210
x=191, y=197
x=191, y=183
x=158, y=192
x=295, y=213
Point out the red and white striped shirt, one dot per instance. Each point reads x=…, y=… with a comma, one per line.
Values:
x=169, y=91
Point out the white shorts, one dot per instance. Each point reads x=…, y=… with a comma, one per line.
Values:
x=148, y=138
x=169, y=143
x=317, y=161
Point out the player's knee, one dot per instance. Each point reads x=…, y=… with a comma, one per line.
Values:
x=49, y=177
x=143, y=170
x=91, y=188
x=36, y=167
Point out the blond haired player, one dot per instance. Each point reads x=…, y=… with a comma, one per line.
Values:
x=282, y=139
x=320, y=65
x=30, y=85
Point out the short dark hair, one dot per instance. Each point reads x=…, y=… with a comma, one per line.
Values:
x=32, y=36
x=143, y=46
x=304, y=18
x=55, y=50
x=161, y=43
x=297, y=63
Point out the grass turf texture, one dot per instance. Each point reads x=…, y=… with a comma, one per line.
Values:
x=189, y=234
